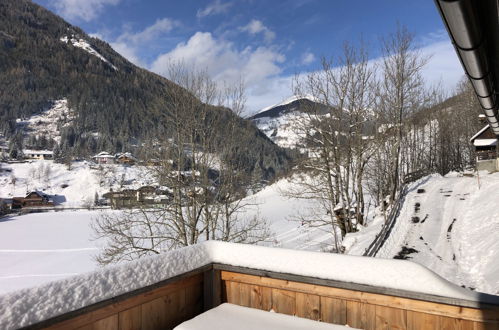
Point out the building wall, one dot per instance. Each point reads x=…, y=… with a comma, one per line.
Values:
x=490, y=165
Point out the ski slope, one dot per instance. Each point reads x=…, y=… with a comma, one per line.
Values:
x=451, y=226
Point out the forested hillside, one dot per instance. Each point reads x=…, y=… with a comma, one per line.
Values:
x=117, y=106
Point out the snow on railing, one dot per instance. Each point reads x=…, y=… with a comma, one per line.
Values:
x=33, y=305
x=385, y=232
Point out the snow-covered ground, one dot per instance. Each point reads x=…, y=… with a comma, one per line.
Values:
x=285, y=130
x=453, y=227
x=42, y=247
x=47, y=123
x=71, y=188
x=83, y=44
x=37, y=248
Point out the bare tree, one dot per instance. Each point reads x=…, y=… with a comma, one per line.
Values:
x=334, y=130
x=400, y=95
x=206, y=189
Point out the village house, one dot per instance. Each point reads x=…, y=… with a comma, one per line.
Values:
x=485, y=142
x=126, y=158
x=104, y=158
x=32, y=199
x=38, y=154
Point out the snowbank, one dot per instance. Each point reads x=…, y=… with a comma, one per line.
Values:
x=24, y=307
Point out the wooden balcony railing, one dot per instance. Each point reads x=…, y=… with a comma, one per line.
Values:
x=486, y=155
x=167, y=303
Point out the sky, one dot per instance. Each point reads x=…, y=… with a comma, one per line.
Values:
x=264, y=42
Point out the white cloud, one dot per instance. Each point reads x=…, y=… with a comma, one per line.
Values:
x=216, y=7
x=444, y=67
x=222, y=60
x=128, y=44
x=161, y=26
x=256, y=27
x=307, y=58
x=86, y=10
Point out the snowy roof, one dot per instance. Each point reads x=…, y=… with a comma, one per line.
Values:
x=479, y=132
x=37, y=152
x=485, y=142
x=22, y=308
x=103, y=154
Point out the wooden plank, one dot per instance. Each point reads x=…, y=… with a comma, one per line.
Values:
x=193, y=301
x=245, y=294
x=114, y=308
x=417, y=320
x=284, y=301
x=109, y=323
x=354, y=318
x=466, y=313
x=360, y=287
x=368, y=316
x=261, y=297
x=153, y=315
x=391, y=318
x=308, y=306
x=212, y=289
x=233, y=294
x=131, y=319
x=175, y=304
x=333, y=310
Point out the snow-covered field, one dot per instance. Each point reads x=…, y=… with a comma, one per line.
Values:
x=37, y=248
x=42, y=247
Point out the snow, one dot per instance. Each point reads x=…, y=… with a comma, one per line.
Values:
x=71, y=188
x=288, y=101
x=283, y=214
x=283, y=130
x=24, y=307
x=83, y=44
x=479, y=132
x=42, y=247
x=229, y=317
x=484, y=142
x=456, y=229
x=47, y=123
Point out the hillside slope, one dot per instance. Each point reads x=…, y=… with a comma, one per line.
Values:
x=450, y=226
x=115, y=106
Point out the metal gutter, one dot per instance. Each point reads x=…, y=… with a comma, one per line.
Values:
x=472, y=26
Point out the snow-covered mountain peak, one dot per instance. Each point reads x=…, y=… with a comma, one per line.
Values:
x=288, y=101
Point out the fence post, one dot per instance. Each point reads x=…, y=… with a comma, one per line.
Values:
x=212, y=291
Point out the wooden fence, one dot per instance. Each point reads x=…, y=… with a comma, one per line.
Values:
x=166, y=304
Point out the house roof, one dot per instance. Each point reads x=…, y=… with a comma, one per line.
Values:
x=485, y=142
x=103, y=154
x=479, y=132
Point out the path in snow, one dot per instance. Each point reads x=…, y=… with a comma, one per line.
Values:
x=454, y=227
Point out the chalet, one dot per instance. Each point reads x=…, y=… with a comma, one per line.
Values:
x=104, y=158
x=38, y=154
x=126, y=158
x=32, y=199
x=485, y=142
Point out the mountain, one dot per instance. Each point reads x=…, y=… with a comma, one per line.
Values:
x=281, y=122
x=106, y=102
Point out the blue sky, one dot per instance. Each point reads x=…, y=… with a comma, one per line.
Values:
x=265, y=41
